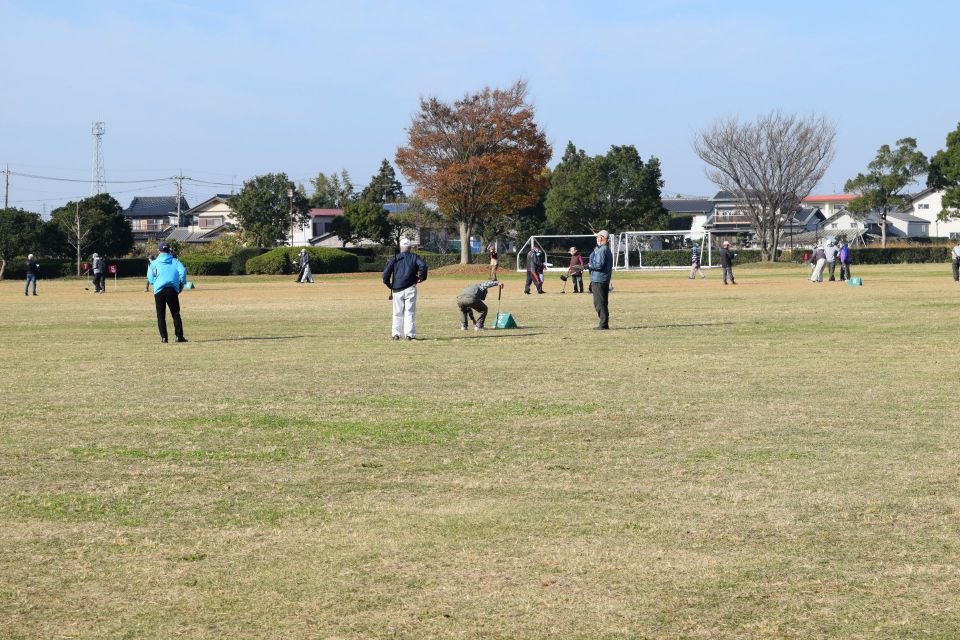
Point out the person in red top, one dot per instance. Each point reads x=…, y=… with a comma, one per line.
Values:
x=576, y=269
x=494, y=260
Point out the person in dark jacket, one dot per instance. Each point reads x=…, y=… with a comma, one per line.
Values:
x=404, y=271
x=168, y=276
x=32, y=270
x=601, y=270
x=575, y=270
x=726, y=262
x=955, y=262
x=305, y=275
x=846, y=257
x=817, y=261
x=534, y=270
x=471, y=299
x=98, y=273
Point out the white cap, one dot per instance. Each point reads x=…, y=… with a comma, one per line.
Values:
x=603, y=233
x=405, y=242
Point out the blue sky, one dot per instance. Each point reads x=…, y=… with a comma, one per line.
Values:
x=226, y=90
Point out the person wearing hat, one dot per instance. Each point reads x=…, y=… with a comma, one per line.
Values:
x=494, y=260
x=168, y=276
x=817, y=262
x=695, y=262
x=726, y=262
x=601, y=270
x=471, y=299
x=98, y=274
x=32, y=269
x=304, y=261
x=830, y=253
x=845, y=257
x=575, y=270
x=404, y=271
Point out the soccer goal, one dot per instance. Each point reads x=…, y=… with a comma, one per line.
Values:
x=556, y=250
x=661, y=250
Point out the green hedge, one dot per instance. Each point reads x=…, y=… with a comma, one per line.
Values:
x=238, y=261
x=322, y=260
x=17, y=269
x=879, y=255
x=198, y=264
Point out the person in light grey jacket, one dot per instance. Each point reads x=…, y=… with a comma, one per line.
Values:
x=830, y=252
x=98, y=274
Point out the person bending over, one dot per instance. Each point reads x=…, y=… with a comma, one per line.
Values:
x=471, y=299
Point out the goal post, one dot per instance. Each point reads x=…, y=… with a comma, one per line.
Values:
x=640, y=250
x=556, y=250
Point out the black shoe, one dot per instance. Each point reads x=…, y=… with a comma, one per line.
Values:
x=394, y=337
x=525, y=293
x=411, y=338
x=163, y=340
x=600, y=328
x=34, y=293
x=181, y=339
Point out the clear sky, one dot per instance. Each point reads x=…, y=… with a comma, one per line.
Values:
x=226, y=90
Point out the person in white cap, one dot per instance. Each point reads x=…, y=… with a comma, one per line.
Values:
x=404, y=271
x=304, y=261
x=831, y=252
x=601, y=270
x=32, y=269
x=98, y=274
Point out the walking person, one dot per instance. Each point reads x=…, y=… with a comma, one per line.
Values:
x=846, y=258
x=32, y=270
x=471, y=299
x=575, y=270
x=168, y=276
x=494, y=260
x=534, y=270
x=305, y=274
x=98, y=273
x=601, y=270
x=831, y=252
x=150, y=258
x=726, y=262
x=404, y=271
x=817, y=261
x=695, y=262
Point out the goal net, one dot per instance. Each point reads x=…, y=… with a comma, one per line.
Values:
x=556, y=250
x=661, y=250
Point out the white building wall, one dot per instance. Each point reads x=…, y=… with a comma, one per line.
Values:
x=928, y=207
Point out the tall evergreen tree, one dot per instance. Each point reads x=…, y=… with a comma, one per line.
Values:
x=384, y=186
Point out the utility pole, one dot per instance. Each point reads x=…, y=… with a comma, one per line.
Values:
x=179, y=178
x=98, y=130
x=6, y=188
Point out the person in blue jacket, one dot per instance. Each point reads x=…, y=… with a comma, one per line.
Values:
x=168, y=276
x=601, y=269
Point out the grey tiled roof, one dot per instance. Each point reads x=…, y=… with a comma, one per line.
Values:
x=155, y=206
x=688, y=205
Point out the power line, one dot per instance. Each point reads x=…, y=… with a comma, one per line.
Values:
x=37, y=177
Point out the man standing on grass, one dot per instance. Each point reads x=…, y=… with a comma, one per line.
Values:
x=831, y=255
x=534, y=270
x=955, y=263
x=695, y=262
x=845, y=259
x=601, y=269
x=404, y=271
x=471, y=299
x=32, y=269
x=98, y=274
x=305, y=274
x=168, y=276
x=726, y=262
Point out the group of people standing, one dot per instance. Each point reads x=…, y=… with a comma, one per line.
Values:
x=825, y=258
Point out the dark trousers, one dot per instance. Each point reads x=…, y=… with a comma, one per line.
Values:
x=728, y=272
x=956, y=270
x=168, y=297
x=844, y=271
x=98, y=283
x=577, y=282
x=468, y=306
x=536, y=279
x=601, y=295
x=833, y=270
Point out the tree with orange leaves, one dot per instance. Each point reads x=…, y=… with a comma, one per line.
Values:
x=477, y=159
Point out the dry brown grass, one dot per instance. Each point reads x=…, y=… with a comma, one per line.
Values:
x=772, y=460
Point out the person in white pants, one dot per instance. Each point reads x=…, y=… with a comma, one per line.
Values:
x=404, y=271
x=819, y=260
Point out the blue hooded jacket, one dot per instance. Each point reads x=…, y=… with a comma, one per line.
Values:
x=166, y=271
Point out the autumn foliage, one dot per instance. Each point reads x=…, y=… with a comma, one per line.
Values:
x=476, y=159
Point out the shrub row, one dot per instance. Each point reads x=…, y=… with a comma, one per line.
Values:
x=322, y=260
x=17, y=269
x=199, y=264
x=879, y=255
x=238, y=261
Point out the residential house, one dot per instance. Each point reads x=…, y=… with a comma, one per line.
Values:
x=928, y=205
x=207, y=221
x=830, y=204
x=317, y=231
x=688, y=213
x=152, y=217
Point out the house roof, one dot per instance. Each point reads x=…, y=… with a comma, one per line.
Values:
x=688, y=205
x=906, y=217
x=923, y=194
x=728, y=195
x=183, y=234
x=155, y=206
x=803, y=215
x=220, y=197
x=326, y=212
x=833, y=197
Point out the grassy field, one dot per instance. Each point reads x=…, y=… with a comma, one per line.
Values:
x=772, y=460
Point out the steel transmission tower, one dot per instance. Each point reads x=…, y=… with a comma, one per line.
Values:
x=98, y=178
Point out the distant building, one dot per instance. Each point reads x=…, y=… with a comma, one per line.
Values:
x=207, y=221
x=153, y=217
x=928, y=205
x=688, y=213
x=830, y=204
